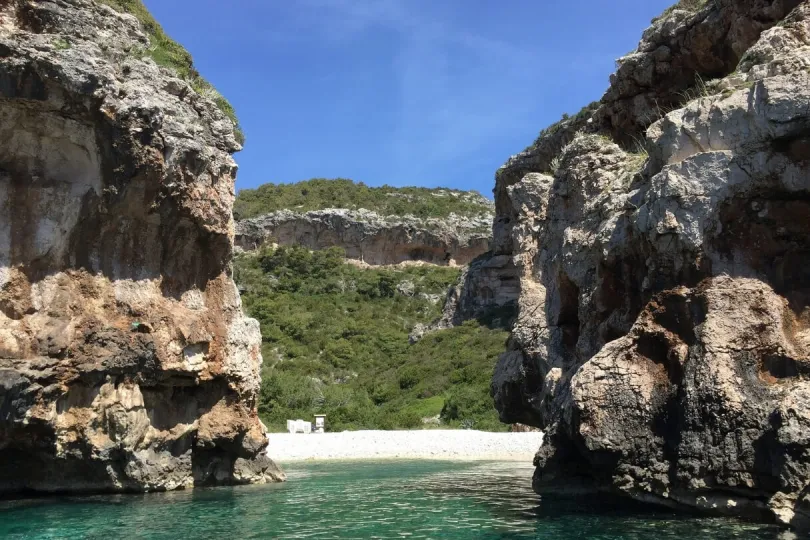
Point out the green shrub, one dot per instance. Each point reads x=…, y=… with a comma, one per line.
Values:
x=470, y=406
x=321, y=193
x=60, y=44
x=566, y=120
x=686, y=5
x=408, y=378
x=282, y=390
x=344, y=352
x=408, y=420
x=426, y=408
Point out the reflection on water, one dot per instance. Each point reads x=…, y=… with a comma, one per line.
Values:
x=394, y=499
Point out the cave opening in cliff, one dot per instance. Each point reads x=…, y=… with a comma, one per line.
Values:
x=767, y=235
x=775, y=366
x=659, y=348
x=48, y=165
x=618, y=297
x=568, y=317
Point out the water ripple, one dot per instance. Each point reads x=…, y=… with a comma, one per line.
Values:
x=408, y=499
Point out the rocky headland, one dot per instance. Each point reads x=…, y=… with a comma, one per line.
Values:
x=661, y=240
x=126, y=363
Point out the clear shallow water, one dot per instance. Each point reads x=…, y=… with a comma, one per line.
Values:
x=406, y=499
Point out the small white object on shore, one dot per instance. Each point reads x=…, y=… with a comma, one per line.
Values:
x=440, y=444
x=299, y=426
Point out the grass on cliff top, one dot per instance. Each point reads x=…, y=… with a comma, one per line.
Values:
x=321, y=193
x=168, y=53
x=335, y=341
x=686, y=5
x=583, y=113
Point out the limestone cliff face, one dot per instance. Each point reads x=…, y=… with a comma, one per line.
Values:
x=487, y=290
x=125, y=360
x=663, y=334
x=371, y=238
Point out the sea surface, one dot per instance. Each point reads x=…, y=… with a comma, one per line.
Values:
x=392, y=499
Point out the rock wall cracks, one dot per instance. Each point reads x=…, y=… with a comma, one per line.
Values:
x=663, y=333
x=125, y=360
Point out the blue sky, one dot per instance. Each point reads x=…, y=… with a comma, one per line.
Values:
x=401, y=92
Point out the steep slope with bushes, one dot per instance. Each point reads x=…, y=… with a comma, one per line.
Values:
x=321, y=193
x=335, y=341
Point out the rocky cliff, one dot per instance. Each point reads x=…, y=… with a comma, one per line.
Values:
x=125, y=360
x=662, y=243
x=372, y=238
x=487, y=290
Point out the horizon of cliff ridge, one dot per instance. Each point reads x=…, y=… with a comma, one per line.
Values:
x=323, y=193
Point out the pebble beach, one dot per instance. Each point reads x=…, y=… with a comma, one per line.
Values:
x=456, y=445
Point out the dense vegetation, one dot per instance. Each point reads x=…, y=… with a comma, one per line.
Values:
x=320, y=193
x=168, y=53
x=335, y=340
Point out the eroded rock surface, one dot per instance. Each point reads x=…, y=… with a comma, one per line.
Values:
x=486, y=290
x=125, y=360
x=372, y=238
x=663, y=333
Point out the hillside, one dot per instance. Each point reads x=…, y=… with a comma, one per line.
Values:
x=336, y=333
x=320, y=194
x=335, y=340
x=378, y=226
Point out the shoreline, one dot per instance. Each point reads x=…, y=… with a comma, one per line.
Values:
x=430, y=444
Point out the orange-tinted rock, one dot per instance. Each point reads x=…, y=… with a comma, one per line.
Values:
x=123, y=347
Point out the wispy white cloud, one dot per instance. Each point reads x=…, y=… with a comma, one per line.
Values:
x=458, y=88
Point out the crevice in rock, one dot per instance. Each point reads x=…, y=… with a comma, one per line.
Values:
x=780, y=366
x=796, y=147
x=567, y=317
x=675, y=312
x=769, y=457
x=618, y=298
x=768, y=233
x=659, y=348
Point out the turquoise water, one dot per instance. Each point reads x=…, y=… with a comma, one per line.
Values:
x=407, y=499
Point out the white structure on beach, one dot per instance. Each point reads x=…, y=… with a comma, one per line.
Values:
x=299, y=426
x=320, y=420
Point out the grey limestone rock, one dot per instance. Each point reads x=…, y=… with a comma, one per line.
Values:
x=372, y=238
x=663, y=331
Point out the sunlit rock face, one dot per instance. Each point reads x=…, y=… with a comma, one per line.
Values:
x=372, y=238
x=125, y=360
x=663, y=332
